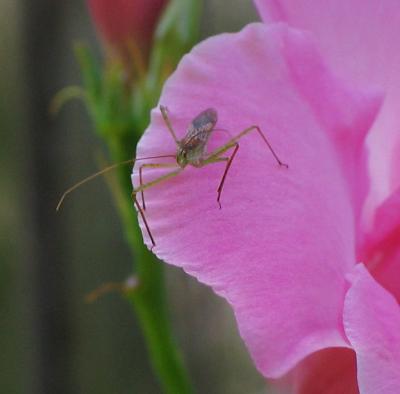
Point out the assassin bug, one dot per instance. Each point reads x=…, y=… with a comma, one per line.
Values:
x=191, y=150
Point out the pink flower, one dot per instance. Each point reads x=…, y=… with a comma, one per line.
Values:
x=308, y=257
x=126, y=25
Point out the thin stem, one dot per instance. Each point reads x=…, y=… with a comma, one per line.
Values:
x=148, y=298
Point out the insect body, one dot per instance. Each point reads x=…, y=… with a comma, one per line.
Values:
x=191, y=150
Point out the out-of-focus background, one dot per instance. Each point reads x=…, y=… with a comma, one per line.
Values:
x=50, y=340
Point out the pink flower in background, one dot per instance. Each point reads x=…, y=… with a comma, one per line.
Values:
x=308, y=257
x=126, y=23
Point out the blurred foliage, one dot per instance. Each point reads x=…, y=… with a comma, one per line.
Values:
x=119, y=97
x=108, y=354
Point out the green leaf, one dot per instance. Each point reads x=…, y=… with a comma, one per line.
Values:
x=63, y=96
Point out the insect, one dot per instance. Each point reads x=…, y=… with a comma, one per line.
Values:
x=191, y=150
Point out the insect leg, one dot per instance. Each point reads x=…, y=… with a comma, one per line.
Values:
x=151, y=165
x=168, y=123
x=158, y=180
x=232, y=141
x=146, y=186
x=89, y=178
x=103, y=171
x=144, y=218
x=229, y=160
x=228, y=166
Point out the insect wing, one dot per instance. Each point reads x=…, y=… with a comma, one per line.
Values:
x=200, y=129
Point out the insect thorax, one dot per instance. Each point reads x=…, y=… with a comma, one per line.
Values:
x=191, y=148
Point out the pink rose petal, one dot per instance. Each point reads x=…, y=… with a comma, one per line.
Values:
x=372, y=324
x=386, y=271
x=279, y=248
x=382, y=245
x=387, y=220
x=348, y=125
x=395, y=179
x=360, y=38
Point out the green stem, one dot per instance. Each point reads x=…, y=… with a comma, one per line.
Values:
x=120, y=116
x=149, y=297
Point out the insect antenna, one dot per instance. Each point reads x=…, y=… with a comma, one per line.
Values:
x=103, y=171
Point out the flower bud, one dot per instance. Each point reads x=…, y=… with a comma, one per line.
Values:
x=126, y=26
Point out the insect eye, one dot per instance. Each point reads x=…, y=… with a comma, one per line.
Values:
x=182, y=153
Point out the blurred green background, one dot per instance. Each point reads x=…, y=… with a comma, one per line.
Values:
x=50, y=340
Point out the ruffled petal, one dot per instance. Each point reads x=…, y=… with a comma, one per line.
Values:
x=360, y=39
x=279, y=248
x=347, y=125
x=371, y=321
x=381, y=249
x=372, y=324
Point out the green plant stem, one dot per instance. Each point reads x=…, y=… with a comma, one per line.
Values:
x=120, y=118
x=149, y=297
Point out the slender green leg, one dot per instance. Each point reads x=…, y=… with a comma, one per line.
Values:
x=151, y=165
x=157, y=180
x=214, y=157
x=231, y=143
x=168, y=123
x=146, y=186
x=89, y=178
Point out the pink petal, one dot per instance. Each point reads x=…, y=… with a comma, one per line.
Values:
x=382, y=245
x=395, y=167
x=372, y=324
x=279, y=248
x=360, y=39
x=348, y=125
